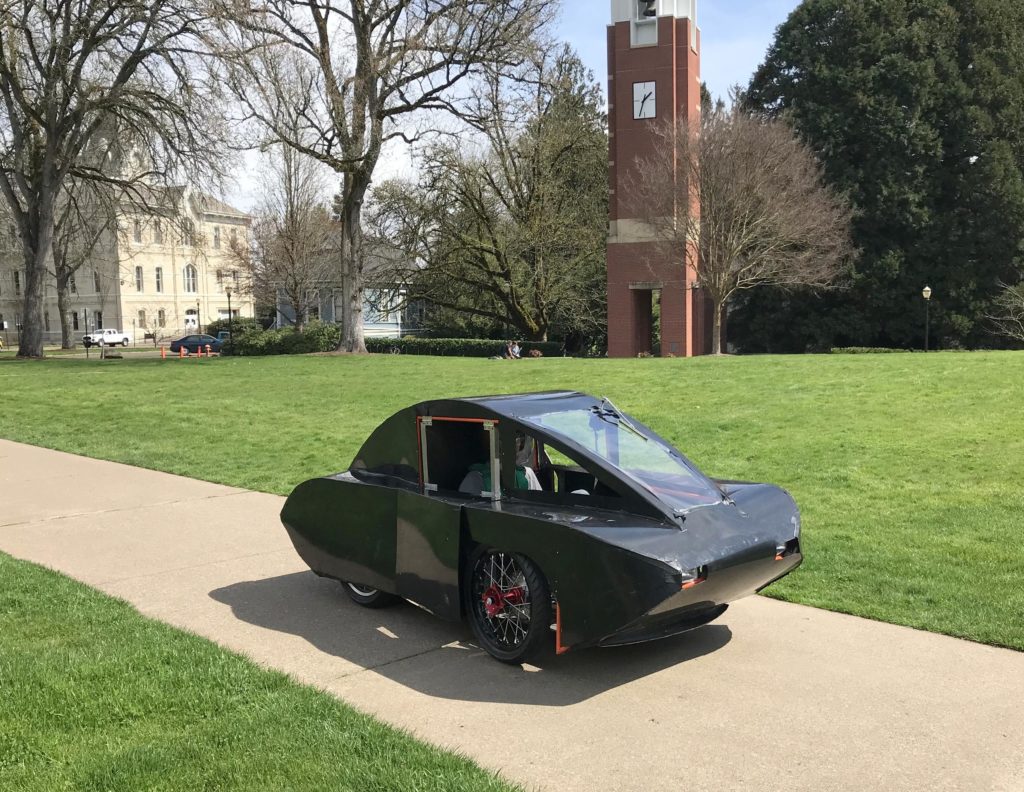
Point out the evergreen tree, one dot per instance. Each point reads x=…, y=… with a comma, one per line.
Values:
x=916, y=108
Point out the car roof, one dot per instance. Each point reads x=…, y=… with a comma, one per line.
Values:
x=523, y=405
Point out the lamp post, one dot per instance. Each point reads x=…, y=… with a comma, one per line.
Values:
x=231, y=323
x=199, y=321
x=926, y=292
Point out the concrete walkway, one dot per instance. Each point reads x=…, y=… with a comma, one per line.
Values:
x=770, y=697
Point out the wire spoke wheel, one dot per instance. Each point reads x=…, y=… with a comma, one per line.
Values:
x=509, y=605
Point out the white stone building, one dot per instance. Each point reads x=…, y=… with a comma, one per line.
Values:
x=164, y=272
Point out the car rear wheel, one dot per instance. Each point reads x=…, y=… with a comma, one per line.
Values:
x=369, y=597
x=124, y=342
x=509, y=606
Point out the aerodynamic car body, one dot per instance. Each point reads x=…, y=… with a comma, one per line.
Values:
x=547, y=520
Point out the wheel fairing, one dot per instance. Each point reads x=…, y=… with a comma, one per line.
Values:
x=344, y=529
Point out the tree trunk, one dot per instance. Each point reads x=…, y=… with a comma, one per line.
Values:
x=67, y=341
x=36, y=245
x=716, y=329
x=352, y=278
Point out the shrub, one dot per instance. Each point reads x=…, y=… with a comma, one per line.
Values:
x=325, y=337
x=457, y=347
x=316, y=337
x=241, y=324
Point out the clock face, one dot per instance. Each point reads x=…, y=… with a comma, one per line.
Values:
x=644, y=103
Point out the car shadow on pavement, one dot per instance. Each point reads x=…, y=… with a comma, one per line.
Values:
x=438, y=658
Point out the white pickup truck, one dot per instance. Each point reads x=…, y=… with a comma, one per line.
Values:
x=106, y=338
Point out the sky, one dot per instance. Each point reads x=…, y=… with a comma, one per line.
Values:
x=735, y=35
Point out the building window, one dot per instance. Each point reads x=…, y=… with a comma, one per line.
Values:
x=137, y=231
x=71, y=283
x=99, y=320
x=158, y=233
x=216, y=237
x=234, y=237
x=188, y=233
x=142, y=318
x=234, y=277
x=138, y=279
x=191, y=279
x=46, y=321
x=160, y=279
x=17, y=282
x=220, y=277
x=96, y=281
x=161, y=318
x=74, y=320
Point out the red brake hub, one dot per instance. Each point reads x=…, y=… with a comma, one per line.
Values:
x=495, y=600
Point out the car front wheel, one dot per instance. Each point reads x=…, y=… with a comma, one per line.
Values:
x=509, y=606
x=369, y=597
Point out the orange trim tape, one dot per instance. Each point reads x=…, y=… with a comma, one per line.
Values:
x=559, y=649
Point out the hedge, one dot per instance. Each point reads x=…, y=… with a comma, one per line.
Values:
x=320, y=337
x=459, y=347
x=865, y=350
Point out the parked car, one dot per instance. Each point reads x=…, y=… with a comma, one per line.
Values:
x=548, y=520
x=193, y=343
x=106, y=337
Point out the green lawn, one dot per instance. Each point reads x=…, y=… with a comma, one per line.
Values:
x=908, y=467
x=96, y=697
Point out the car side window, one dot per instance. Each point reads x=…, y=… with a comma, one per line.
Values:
x=459, y=455
x=549, y=475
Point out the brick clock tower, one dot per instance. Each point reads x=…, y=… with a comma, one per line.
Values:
x=653, y=78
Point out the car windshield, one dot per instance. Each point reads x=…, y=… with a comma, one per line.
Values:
x=650, y=462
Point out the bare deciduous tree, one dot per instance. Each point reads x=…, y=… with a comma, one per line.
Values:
x=1008, y=312
x=741, y=201
x=294, y=237
x=516, y=230
x=86, y=218
x=349, y=75
x=73, y=73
